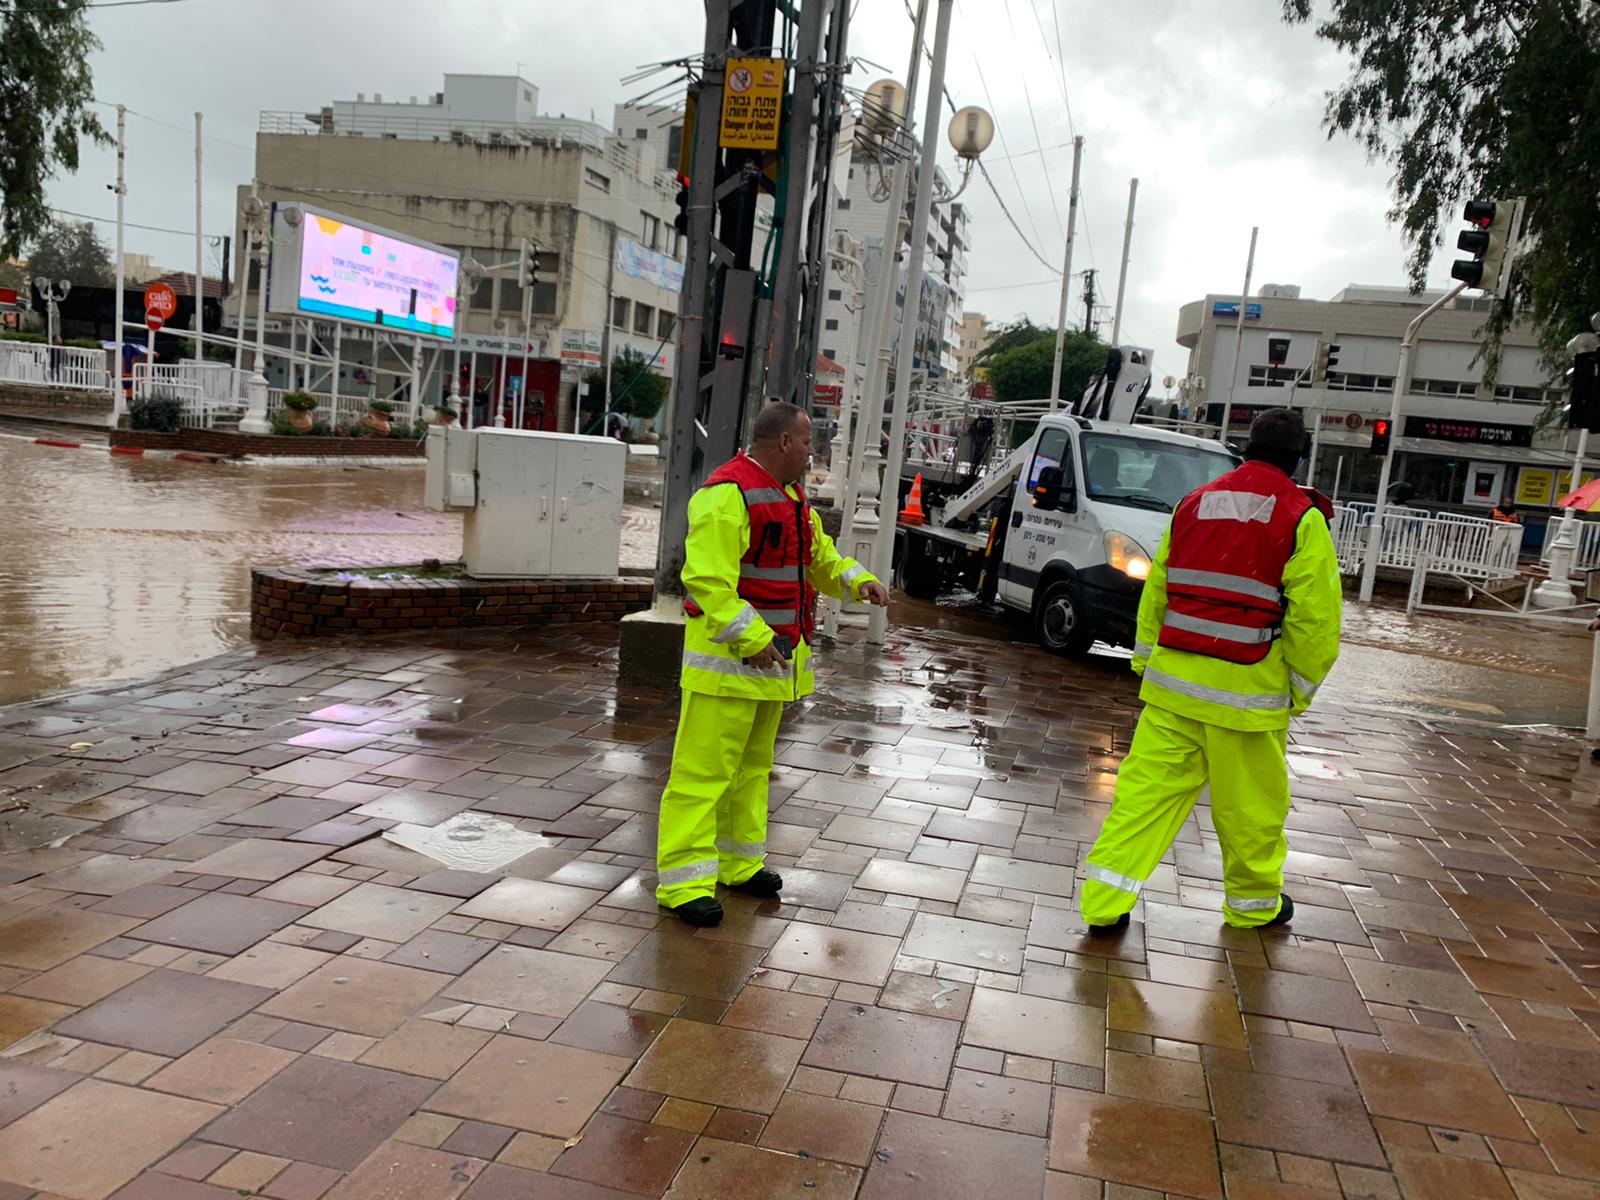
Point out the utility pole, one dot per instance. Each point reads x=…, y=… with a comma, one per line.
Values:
x=1238, y=336
x=199, y=253
x=1122, y=275
x=1088, y=302
x=1066, y=275
x=883, y=550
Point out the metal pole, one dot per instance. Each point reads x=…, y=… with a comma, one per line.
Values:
x=883, y=555
x=333, y=384
x=1402, y=381
x=1066, y=275
x=1338, y=477
x=118, y=402
x=1593, y=724
x=1122, y=276
x=199, y=250
x=1577, y=459
x=607, y=348
x=527, y=336
x=1238, y=336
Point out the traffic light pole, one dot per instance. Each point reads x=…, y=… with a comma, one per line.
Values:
x=1238, y=336
x=1402, y=382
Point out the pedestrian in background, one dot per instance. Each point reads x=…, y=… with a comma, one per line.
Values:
x=1238, y=626
x=755, y=559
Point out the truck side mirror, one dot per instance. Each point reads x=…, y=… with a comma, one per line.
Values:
x=1047, y=489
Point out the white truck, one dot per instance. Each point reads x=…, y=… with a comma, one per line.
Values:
x=1065, y=526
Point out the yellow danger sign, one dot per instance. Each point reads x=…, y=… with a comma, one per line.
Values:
x=752, y=104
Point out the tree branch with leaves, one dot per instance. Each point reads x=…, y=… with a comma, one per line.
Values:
x=46, y=88
x=1482, y=100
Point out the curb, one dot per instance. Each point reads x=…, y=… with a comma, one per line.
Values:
x=128, y=451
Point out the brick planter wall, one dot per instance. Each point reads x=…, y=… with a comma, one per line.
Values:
x=287, y=603
x=32, y=401
x=232, y=445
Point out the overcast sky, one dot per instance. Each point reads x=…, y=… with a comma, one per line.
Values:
x=1216, y=109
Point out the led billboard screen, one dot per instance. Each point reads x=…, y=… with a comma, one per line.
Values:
x=337, y=268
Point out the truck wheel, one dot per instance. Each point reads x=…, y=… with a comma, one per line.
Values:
x=921, y=574
x=1059, y=622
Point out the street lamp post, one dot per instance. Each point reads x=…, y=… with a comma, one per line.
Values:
x=52, y=292
x=255, y=227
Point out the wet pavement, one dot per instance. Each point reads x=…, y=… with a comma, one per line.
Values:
x=218, y=977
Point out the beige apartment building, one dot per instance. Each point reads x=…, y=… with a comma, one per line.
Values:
x=475, y=169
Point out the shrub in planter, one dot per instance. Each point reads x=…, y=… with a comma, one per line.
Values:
x=445, y=413
x=381, y=406
x=299, y=406
x=160, y=413
x=377, y=420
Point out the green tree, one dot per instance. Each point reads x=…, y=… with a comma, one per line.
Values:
x=72, y=250
x=1021, y=332
x=45, y=92
x=1023, y=371
x=1468, y=101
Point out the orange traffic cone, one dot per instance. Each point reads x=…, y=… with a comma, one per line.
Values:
x=913, y=514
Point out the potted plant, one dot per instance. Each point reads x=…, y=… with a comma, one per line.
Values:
x=445, y=414
x=300, y=406
x=378, y=418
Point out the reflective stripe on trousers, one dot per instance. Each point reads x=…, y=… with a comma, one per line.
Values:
x=1244, y=634
x=1220, y=582
x=1199, y=691
x=1111, y=879
x=1252, y=904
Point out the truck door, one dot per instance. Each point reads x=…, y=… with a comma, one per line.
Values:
x=1036, y=532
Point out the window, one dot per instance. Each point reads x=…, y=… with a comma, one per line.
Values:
x=674, y=141
x=830, y=355
x=596, y=180
x=1443, y=387
x=830, y=323
x=666, y=322
x=1359, y=383
x=482, y=299
x=643, y=318
x=835, y=294
x=1273, y=376
x=511, y=297
x=1525, y=395
x=652, y=231
x=641, y=135
x=1052, y=452
x=546, y=290
x=1142, y=473
x=619, y=312
x=527, y=94
x=843, y=205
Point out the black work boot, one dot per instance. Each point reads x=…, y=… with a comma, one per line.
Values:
x=1285, y=913
x=702, y=910
x=1111, y=930
x=762, y=883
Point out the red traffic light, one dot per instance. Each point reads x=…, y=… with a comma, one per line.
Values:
x=1381, y=428
x=1480, y=213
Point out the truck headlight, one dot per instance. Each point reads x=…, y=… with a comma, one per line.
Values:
x=1127, y=555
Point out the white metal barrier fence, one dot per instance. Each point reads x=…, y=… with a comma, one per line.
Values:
x=1587, y=556
x=38, y=365
x=1469, y=548
x=350, y=410
x=205, y=390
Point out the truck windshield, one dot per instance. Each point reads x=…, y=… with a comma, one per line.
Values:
x=1145, y=472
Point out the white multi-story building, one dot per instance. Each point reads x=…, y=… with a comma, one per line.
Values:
x=1462, y=443
x=476, y=169
x=659, y=126
x=859, y=212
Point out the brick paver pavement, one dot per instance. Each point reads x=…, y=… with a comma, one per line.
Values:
x=217, y=977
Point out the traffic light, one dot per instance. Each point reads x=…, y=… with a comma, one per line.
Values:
x=1327, y=356
x=1277, y=351
x=681, y=221
x=1490, y=241
x=1583, y=392
x=1380, y=436
x=528, y=264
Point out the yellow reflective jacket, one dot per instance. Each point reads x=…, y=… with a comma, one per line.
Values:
x=719, y=536
x=1253, y=696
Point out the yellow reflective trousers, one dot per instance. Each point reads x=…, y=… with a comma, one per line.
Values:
x=1172, y=759
x=714, y=809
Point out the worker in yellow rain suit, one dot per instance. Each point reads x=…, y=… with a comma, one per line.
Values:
x=1238, y=625
x=755, y=559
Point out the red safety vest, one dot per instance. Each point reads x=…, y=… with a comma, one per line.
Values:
x=772, y=573
x=1230, y=543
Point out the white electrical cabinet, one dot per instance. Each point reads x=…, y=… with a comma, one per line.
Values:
x=536, y=504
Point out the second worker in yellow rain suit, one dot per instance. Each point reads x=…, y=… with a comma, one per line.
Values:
x=1238, y=625
x=755, y=559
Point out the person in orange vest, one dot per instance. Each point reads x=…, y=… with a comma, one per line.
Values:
x=1506, y=511
x=755, y=559
x=1238, y=627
